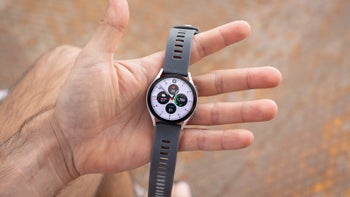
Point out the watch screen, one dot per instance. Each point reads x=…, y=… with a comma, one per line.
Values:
x=172, y=98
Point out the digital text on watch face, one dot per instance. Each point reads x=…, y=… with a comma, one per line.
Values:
x=172, y=98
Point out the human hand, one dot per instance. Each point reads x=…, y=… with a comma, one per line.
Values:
x=101, y=119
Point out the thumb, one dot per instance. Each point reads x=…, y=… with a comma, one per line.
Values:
x=111, y=28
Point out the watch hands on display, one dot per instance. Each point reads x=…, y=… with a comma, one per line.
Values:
x=164, y=96
x=165, y=90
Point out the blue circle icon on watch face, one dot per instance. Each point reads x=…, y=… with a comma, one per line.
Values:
x=170, y=108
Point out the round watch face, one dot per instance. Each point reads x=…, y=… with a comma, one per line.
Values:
x=172, y=98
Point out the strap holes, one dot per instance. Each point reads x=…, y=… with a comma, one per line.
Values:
x=160, y=182
x=178, y=51
x=180, y=36
x=180, y=40
x=166, y=141
x=164, y=153
x=165, y=147
x=164, y=159
x=179, y=45
x=163, y=165
x=160, y=189
x=177, y=57
x=162, y=168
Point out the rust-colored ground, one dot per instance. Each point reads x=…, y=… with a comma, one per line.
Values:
x=305, y=151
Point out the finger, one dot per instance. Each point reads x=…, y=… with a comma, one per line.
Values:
x=223, y=81
x=213, y=40
x=181, y=189
x=111, y=27
x=210, y=140
x=227, y=113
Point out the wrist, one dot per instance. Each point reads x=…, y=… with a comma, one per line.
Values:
x=32, y=162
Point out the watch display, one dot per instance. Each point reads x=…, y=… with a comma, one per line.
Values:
x=172, y=98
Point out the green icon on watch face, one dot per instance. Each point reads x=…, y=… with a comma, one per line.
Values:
x=180, y=100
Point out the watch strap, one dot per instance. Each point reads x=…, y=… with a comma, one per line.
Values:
x=164, y=153
x=178, y=50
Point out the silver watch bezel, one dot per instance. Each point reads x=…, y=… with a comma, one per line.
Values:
x=183, y=121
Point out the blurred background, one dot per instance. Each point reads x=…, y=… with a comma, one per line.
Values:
x=305, y=151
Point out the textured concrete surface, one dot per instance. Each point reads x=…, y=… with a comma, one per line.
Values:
x=305, y=151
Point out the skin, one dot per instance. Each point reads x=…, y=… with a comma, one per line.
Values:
x=98, y=119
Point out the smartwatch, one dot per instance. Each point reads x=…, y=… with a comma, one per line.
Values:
x=171, y=100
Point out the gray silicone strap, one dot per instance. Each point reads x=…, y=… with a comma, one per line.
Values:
x=164, y=153
x=166, y=139
x=178, y=50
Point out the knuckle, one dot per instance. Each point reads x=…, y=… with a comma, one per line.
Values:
x=214, y=113
x=200, y=50
x=219, y=81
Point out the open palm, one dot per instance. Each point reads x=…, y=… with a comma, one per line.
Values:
x=101, y=113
